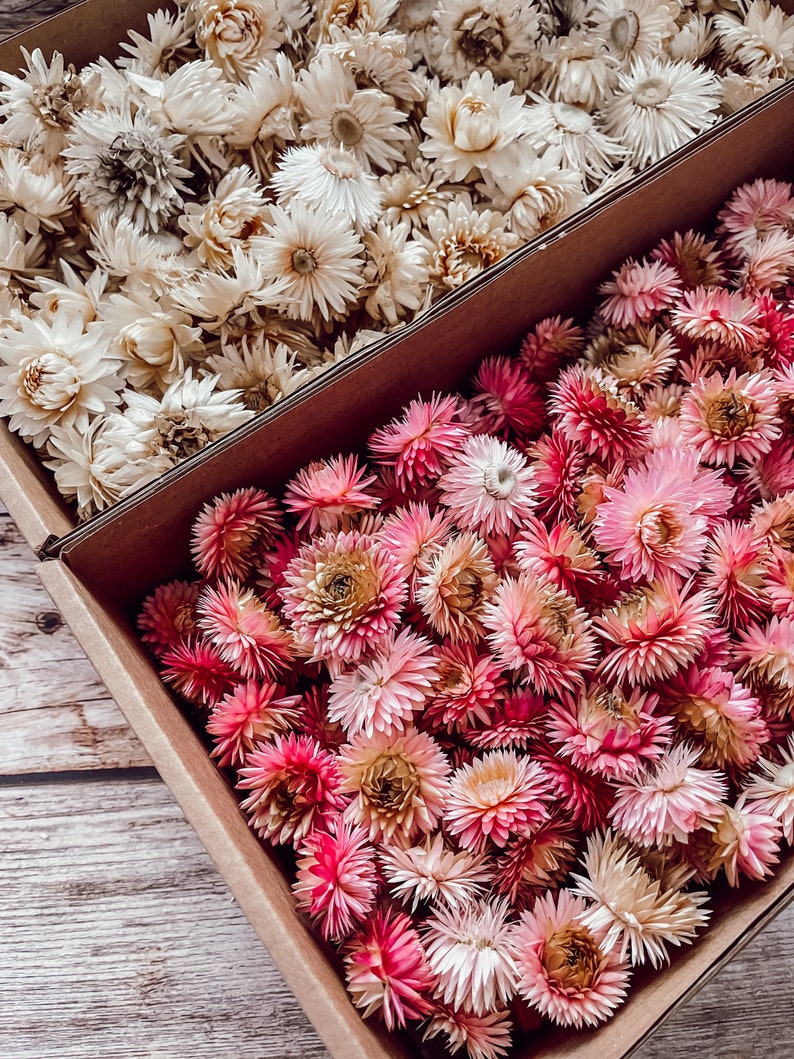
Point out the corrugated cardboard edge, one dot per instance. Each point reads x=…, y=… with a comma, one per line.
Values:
x=29, y=497
x=256, y=882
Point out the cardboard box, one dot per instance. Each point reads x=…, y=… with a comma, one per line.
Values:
x=98, y=575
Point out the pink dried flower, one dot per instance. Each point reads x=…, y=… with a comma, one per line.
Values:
x=765, y=655
x=773, y=472
x=696, y=260
x=337, y=877
x=412, y=534
x=273, y=563
x=592, y=413
x=721, y=715
x=771, y=789
x=712, y=491
x=768, y=265
x=431, y=872
x=326, y=492
x=654, y=631
x=197, y=671
x=580, y=796
x=565, y=970
x=559, y=465
x=776, y=332
x=507, y=399
x=603, y=731
x=488, y=485
x=294, y=785
x=548, y=345
x=636, y=359
x=343, y=595
x=313, y=719
x=516, y=720
x=536, y=862
x=399, y=783
x=467, y=686
x=387, y=970
x=753, y=210
x=421, y=442
x=495, y=796
x=667, y=801
x=247, y=634
x=743, y=840
x=558, y=555
x=774, y=521
x=249, y=714
x=382, y=693
x=168, y=615
x=639, y=291
x=780, y=582
x=469, y=949
x=714, y=314
x=539, y=632
x=735, y=572
x=453, y=592
x=483, y=1036
x=230, y=530
x=732, y=418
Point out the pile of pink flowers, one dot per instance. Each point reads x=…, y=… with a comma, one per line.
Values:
x=515, y=690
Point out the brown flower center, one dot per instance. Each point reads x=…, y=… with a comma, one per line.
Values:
x=304, y=261
x=572, y=958
x=481, y=38
x=346, y=587
x=729, y=414
x=651, y=93
x=346, y=128
x=625, y=30
x=390, y=784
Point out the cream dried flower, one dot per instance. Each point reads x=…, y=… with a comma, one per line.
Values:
x=462, y=242
x=87, y=470
x=233, y=300
x=578, y=70
x=79, y=296
x=536, y=193
x=236, y=211
x=395, y=273
x=42, y=195
x=237, y=34
x=262, y=113
x=585, y=149
x=632, y=29
x=20, y=252
x=193, y=101
x=760, y=39
x=501, y=36
x=379, y=60
x=262, y=371
x=330, y=179
x=335, y=17
x=695, y=39
x=167, y=42
x=413, y=193
x=136, y=259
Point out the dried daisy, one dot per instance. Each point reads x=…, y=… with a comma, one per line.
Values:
x=236, y=211
x=631, y=29
x=432, y=872
x=488, y=485
x=462, y=241
x=330, y=179
x=732, y=418
x=252, y=713
x=324, y=494
x=237, y=34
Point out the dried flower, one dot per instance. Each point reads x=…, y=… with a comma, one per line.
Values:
x=454, y=591
x=488, y=485
x=431, y=872
x=252, y=713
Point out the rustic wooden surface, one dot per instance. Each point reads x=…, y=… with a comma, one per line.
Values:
x=118, y=938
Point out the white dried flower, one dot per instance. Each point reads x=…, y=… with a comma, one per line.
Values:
x=193, y=101
x=578, y=70
x=154, y=55
x=462, y=242
x=232, y=299
x=359, y=16
x=261, y=113
x=136, y=259
x=584, y=147
x=77, y=296
x=237, y=34
x=536, y=193
x=262, y=371
x=87, y=470
x=739, y=90
x=496, y=35
x=431, y=872
x=42, y=195
x=695, y=38
x=379, y=60
x=632, y=29
x=236, y=212
x=760, y=39
x=20, y=252
x=396, y=273
x=331, y=179
x=412, y=193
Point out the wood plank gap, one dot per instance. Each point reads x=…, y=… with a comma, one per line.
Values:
x=76, y=776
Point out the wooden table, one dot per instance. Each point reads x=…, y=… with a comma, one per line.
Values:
x=118, y=938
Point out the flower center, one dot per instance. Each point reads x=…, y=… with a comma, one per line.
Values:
x=730, y=414
x=571, y=119
x=303, y=261
x=481, y=38
x=625, y=30
x=346, y=128
x=340, y=164
x=651, y=93
x=785, y=775
x=50, y=381
x=390, y=784
x=572, y=958
x=469, y=585
x=475, y=126
x=656, y=528
x=500, y=481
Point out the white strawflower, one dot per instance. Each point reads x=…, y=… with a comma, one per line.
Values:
x=237, y=34
x=573, y=130
x=20, y=252
x=87, y=469
x=536, y=193
x=262, y=113
x=396, y=273
x=329, y=178
x=137, y=260
x=361, y=16
x=193, y=101
x=496, y=35
x=235, y=212
x=578, y=70
x=413, y=193
x=472, y=128
x=760, y=39
x=632, y=29
x=77, y=296
x=261, y=370
x=771, y=788
x=338, y=112
x=315, y=257
x=380, y=60
x=462, y=242
x=233, y=299
x=55, y=372
x=695, y=38
x=127, y=165
x=660, y=105
x=738, y=90
x=155, y=54
x=42, y=195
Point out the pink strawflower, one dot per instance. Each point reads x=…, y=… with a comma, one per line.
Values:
x=387, y=971
x=399, y=784
x=384, y=690
x=272, y=566
x=713, y=493
x=412, y=534
x=765, y=655
x=780, y=582
x=249, y=714
x=421, y=442
x=313, y=718
x=772, y=474
x=636, y=360
x=516, y=720
x=498, y=794
x=469, y=949
x=337, y=877
x=326, y=493
x=539, y=632
x=432, y=872
x=489, y=486
x=294, y=785
x=549, y=345
x=247, y=634
x=715, y=314
x=581, y=797
x=668, y=800
x=459, y=580
x=565, y=970
x=744, y=840
x=771, y=788
x=196, y=669
x=343, y=595
x=559, y=465
x=731, y=419
x=507, y=399
x=768, y=265
x=638, y=292
x=774, y=520
x=536, y=862
x=466, y=688
x=606, y=732
x=230, y=531
x=696, y=260
x=776, y=332
x=653, y=632
x=735, y=573
x=592, y=492
x=559, y=555
x=590, y=411
x=483, y=1036
x=721, y=715
x=168, y=615
x=752, y=211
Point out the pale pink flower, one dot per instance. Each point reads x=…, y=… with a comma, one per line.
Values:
x=516, y=720
x=507, y=399
x=539, y=632
x=432, y=872
x=779, y=582
x=466, y=688
x=753, y=210
x=565, y=970
x=638, y=292
x=384, y=690
x=744, y=840
x=251, y=713
x=230, y=530
x=412, y=534
x=459, y=580
x=497, y=795
x=536, y=862
x=765, y=655
x=488, y=485
x=387, y=971
x=469, y=950
x=248, y=635
x=606, y=732
x=769, y=264
x=343, y=595
x=483, y=1036
x=735, y=572
x=420, y=444
x=196, y=669
x=582, y=797
x=168, y=615
x=774, y=520
x=771, y=788
x=326, y=492
x=715, y=314
x=551, y=343
x=399, y=784
x=558, y=555
x=337, y=877
x=730, y=419
x=667, y=801
x=559, y=465
x=590, y=412
x=712, y=494
x=294, y=785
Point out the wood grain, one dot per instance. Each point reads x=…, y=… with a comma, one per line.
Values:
x=16, y=15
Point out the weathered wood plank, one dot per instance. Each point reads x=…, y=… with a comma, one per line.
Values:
x=55, y=714
x=16, y=15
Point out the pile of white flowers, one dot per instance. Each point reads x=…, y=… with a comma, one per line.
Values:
x=259, y=187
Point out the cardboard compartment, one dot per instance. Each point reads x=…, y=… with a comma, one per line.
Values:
x=436, y=350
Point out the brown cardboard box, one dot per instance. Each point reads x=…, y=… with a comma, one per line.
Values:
x=101, y=573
